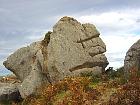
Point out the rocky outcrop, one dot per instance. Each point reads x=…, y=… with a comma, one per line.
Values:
x=72, y=48
x=75, y=48
x=132, y=58
x=9, y=92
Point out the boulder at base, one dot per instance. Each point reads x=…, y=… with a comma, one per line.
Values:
x=31, y=83
x=9, y=92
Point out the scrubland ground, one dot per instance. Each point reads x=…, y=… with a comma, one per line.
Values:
x=89, y=89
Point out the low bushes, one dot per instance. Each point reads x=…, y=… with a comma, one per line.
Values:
x=76, y=91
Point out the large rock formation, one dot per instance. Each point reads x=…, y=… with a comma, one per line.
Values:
x=75, y=48
x=132, y=58
x=72, y=48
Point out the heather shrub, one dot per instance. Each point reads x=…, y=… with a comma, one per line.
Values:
x=96, y=78
x=118, y=73
x=76, y=92
x=80, y=92
x=129, y=93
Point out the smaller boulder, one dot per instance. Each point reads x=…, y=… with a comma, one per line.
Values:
x=132, y=57
x=9, y=92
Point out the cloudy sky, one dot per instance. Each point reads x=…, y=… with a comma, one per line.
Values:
x=25, y=21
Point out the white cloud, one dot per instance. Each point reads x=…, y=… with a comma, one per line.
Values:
x=1, y=63
x=34, y=37
x=114, y=20
x=117, y=46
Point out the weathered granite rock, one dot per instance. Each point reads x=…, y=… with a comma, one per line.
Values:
x=132, y=58
x=74, y=47
x=32, y=83
x=28, y=64
x=9, y=92
x=20, y=61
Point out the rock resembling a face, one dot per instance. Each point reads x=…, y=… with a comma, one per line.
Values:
x=75, y=48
